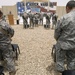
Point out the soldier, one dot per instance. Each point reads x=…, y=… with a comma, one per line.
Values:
x=41, y=18
x=6, y=33
x=25, y=16
x=3, y=17
x=36, y=16
x=65, y=37
x=44, y=20
x=48, y=21
x=54, y=20
x=31, y=16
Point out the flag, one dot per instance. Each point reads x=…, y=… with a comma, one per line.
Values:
x=20, y=7
x=28, y=5
x=35, y=10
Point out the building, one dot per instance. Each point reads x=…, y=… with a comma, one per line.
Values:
x=36, y=0
x=60, y=10
x=44, y=5
x=7, y=9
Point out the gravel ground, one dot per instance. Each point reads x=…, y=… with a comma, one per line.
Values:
x=35, y=45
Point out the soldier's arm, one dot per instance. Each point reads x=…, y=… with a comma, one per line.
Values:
x=58, y=30
x=11, y=32
x=9, y=29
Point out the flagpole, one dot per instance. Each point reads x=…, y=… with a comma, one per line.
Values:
x=25, y=5
x=48, y=5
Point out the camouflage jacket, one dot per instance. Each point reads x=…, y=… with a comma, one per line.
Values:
x=65, y=31
x=6, y=32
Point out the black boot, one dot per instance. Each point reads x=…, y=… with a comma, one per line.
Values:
x=68, y=72
x=1, y=70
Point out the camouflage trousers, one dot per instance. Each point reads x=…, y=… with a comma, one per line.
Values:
x=65, y=60
x=53, y=24
x=8, y=61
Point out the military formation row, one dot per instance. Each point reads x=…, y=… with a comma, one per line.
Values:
x=35, y=19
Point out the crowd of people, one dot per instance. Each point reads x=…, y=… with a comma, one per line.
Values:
x=35, y=19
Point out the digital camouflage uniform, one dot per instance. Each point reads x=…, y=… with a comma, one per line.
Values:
x=31, y=16
x=48, y=21
x=65, y=46
x=25, y=23
x=36, y=16
x=24, y=16
x=41, y=18
x=54, y=20
x=6, y=32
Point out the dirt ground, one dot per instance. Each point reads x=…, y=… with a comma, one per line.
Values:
x=35, y=45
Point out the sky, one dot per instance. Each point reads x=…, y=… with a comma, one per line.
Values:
x=60, y=2
x=13, y=2
x=8, y=2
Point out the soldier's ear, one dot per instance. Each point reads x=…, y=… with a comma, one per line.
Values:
x=68, y=9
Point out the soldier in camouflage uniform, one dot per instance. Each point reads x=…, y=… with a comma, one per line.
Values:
x=41, y=18
x=36, y=16
x=54, y=20
x=65, y=37
x=6, y=33
x=25, y=23
x=31, y=16
x=3, y=17
x=47, y=21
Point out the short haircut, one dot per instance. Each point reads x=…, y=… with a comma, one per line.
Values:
x=70, y=4
x=1, y=13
